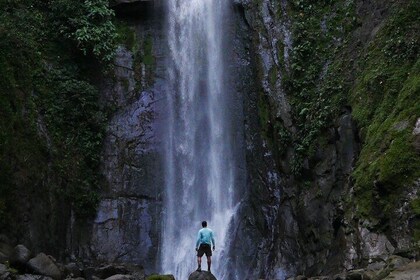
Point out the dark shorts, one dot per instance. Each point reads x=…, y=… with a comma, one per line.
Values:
x=204, y=249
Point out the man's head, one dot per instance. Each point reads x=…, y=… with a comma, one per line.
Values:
x=204, y=223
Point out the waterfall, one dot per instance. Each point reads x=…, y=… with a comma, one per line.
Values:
x=199, y=161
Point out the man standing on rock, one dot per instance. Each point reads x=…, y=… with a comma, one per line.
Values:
x=205, y=240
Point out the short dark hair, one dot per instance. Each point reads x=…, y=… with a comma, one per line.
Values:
x=204, y=223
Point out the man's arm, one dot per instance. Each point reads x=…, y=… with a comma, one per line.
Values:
x=212, y=241
x=198, y=241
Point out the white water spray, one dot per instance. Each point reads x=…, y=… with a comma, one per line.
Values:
x=199, y=160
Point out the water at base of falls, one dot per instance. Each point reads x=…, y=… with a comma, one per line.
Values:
x=199, y=159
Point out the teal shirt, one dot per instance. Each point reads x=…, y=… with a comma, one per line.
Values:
x=205, y=236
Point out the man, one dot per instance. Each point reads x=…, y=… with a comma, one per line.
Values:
x=205, y=240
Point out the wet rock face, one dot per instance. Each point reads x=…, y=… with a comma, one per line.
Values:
x=288, y=229
x=127, y=224
x=249, y=251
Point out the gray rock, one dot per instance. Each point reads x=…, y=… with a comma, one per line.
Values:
x=3, y=269
x=341, y=276
x=44, y=265
x=32, y=277
x=121, y=277
x=6, y=276
x=107, y=271
x=72, y=270
x=377, y=265
x=416, y=130
x=21, y=255
x=408, y=272
x=355, y=274
x=375, y=244
x=395, y=262
x=202, y=275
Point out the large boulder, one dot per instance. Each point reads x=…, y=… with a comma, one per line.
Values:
x=32, y=277
x=3, y=271
x=410, y=271
x=72, y=270
x=20, y=256
x=121, y=277
x=201, y=275
x=109, y=270
x=44, y=265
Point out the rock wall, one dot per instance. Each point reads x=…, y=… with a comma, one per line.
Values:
x=127, y=224
x=284, y=226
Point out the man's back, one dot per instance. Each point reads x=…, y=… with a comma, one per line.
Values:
x=205, y=236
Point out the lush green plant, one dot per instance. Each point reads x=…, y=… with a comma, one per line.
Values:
x=386, y=103
x=89, y=24
x=75, y=122
x=380, y=83
x=314, y=86
x=51, y=126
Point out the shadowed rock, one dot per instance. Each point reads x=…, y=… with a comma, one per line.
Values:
x=44, y=265
x=32, y=277
x=20, y=255
x=121, y=277
x=201, y=275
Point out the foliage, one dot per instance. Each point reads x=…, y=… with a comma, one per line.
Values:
x=51, y=126
x=386, y=103
x=332, y=69
x=314, y=85
x=90, y=24
x=126, y=35
x=75, y=124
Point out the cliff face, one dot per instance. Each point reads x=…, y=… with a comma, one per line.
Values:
x=127, y=224
x=331, y=127
x=328, y=209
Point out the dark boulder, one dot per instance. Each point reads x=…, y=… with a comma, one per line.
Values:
x=20, y=256
x=72, y=270
x=32, y=277
x=201, y=275
x=106, y=271
x=3, y=271
x=44, y=265
x=121, y=277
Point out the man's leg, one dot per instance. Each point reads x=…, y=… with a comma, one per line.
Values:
x=208, y=262
x=199, y=263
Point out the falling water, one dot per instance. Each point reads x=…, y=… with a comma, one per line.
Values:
x=199, y=161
